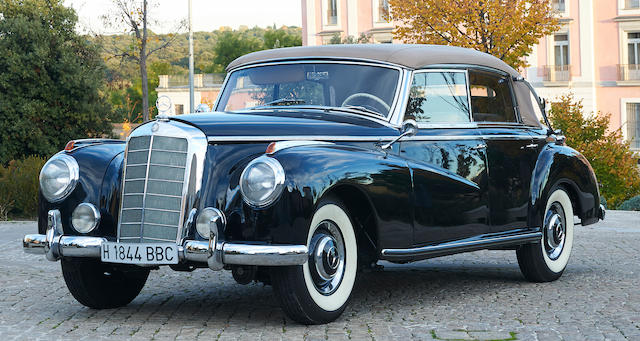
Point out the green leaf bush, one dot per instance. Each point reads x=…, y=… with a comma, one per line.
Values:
x=632, y=204
x=610, y=156
x=19, y=187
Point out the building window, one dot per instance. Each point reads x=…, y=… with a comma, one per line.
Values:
x=634, y=48
x=632, y=4
x=561, y=49
x=332, y=12
x=633, y=124
x=179, y=109
x=381, y=10
x=558, y=5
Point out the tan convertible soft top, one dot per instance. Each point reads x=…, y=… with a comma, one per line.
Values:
x=410, y=56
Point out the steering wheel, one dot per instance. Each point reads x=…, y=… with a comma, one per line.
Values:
x=366, y=95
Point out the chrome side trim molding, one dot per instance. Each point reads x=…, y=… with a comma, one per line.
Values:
x=460, y=246
x=280, y=145
x=267, y=138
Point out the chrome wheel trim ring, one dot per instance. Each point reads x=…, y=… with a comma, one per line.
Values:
x=327, y=257
x=554, y=231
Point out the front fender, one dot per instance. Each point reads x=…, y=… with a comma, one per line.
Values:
x=564, y=166
x=99, y=184
x=314, y=171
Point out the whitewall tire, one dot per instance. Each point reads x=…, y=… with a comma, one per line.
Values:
x=319, y=290
x=546, y=261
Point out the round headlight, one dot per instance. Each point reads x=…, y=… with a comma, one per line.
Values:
x=58, y=177
x=207, y=216
x=85, y=218
x=262, y=181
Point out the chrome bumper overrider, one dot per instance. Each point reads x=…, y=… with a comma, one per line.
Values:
x=54, y=245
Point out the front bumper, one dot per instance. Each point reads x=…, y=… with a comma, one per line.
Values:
x=54, y=245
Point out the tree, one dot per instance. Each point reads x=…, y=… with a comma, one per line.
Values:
x=611, y=157
x=338, y=39
x=231, y=45
x=134, y=16
x=50, y=80
x=275, y=38
x=506, y=29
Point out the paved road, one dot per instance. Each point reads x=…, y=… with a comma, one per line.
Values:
x=479, y=295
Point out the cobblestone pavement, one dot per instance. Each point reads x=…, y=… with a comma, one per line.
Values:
x=479, y=295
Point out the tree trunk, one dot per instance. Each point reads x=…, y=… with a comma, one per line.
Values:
x=145, y=87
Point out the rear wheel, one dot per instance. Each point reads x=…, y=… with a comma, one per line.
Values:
x=318, y=291
x=545, y=261
x=101, y=286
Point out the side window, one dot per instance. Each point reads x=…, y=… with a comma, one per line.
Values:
x=438, y=97
x=491, y=99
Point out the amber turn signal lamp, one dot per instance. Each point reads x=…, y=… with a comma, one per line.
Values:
x=70, y=145
x=271, y=148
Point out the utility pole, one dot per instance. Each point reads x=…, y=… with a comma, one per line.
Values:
x=191, y=93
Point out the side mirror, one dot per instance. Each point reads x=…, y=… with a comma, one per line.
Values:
x=409, y=128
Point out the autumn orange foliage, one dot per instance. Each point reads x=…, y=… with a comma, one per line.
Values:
x=506, y=29
x=612, y=160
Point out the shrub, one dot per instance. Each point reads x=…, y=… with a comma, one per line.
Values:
x=610, y=156
x=632, y=204
x=19, y=187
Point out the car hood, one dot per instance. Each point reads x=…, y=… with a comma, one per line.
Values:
x=285, y=122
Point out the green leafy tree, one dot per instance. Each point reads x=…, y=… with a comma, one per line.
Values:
x=232, y=45
x=275, y=38
x=50, y=80
x=611, y=157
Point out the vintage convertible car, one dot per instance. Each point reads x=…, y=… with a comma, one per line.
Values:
x=317, y=162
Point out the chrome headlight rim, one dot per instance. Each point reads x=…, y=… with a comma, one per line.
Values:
x=279, y=178
x=74, y=175
x=205, y=217
x=96, y=218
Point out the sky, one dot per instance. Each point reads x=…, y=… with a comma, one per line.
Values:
x=208, y=15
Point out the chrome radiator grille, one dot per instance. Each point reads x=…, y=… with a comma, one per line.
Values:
x=154, y=181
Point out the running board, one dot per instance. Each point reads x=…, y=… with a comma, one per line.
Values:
x=464, y=245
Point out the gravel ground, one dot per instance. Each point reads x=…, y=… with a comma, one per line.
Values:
x=473, y=296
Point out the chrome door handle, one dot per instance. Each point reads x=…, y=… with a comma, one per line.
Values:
x=530, y=146
x=480, y=146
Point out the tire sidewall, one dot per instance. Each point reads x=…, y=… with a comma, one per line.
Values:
x=338, y=299
x=558, y=265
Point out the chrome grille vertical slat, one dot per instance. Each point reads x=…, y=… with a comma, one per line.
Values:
x=156, y=198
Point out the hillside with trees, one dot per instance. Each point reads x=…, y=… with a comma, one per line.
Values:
x=212, y=52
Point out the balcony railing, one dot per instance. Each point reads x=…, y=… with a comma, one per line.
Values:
x=629, y=72
x=556, y=73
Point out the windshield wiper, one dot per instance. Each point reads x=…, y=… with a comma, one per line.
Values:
x=365, y=109
x=280, y=102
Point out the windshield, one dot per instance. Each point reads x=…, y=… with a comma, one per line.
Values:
x=370, y=89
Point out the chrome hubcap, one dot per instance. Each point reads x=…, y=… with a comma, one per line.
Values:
x=554, y=231
x=326, y=257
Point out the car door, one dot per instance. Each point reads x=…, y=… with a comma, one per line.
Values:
x=447, y=159
x=511, y=151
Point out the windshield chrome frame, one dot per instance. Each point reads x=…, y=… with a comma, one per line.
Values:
x=395, y=107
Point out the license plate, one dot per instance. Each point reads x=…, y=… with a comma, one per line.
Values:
x=137, y=253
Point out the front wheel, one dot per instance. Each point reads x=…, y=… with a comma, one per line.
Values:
x=317, y=291
x=545, y=261
x=101, y=286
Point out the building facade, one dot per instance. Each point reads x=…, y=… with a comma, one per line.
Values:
x=595, y=55
x=206, y=89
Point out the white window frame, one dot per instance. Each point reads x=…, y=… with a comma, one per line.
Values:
x=624, y=28
x=375, y=14
x=566, y=11
x=325, y=19
x=561, y=43
x=623, y=116
x=636, y=42
x=622, y=10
